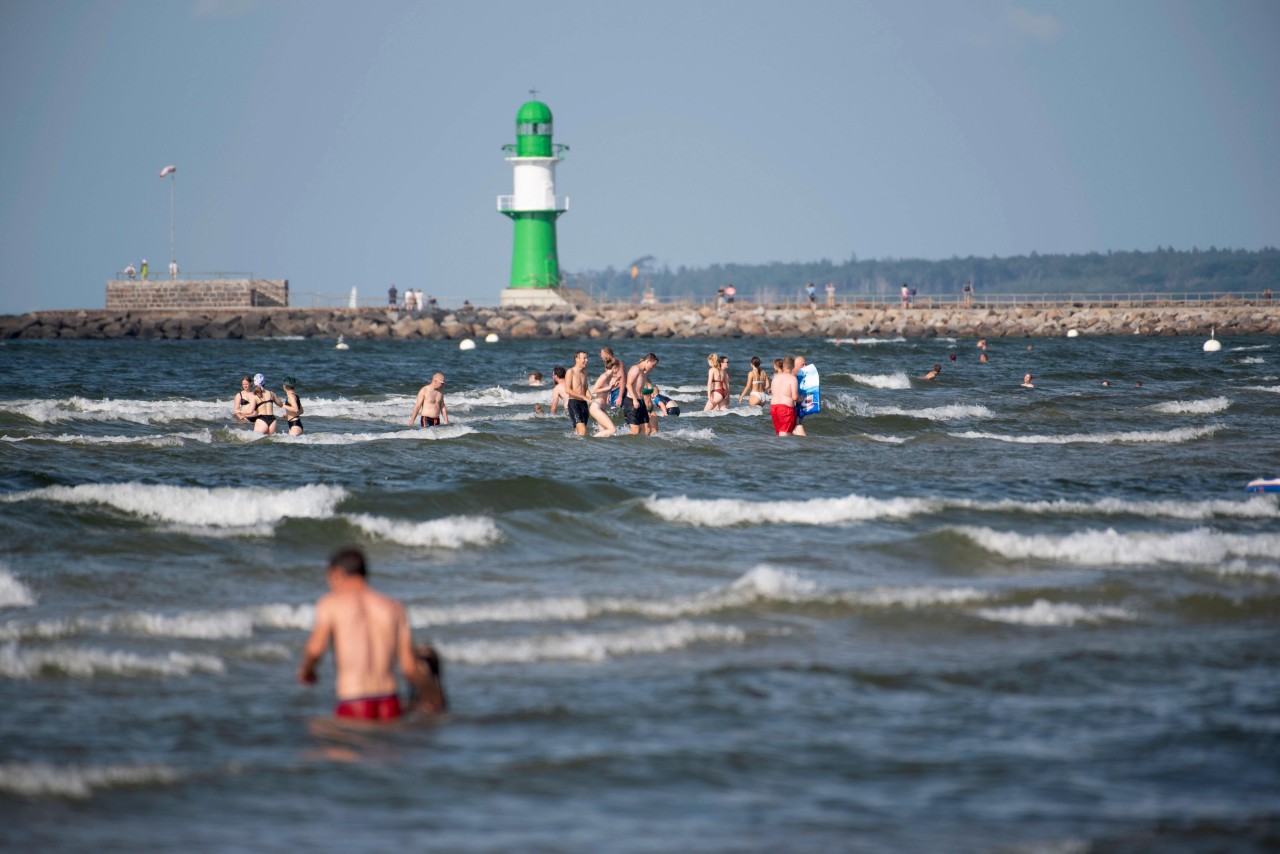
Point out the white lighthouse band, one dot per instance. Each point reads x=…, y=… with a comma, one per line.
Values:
x=534, y=186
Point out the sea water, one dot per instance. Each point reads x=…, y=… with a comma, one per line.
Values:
x=959, y=615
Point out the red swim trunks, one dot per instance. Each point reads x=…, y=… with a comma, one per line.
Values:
x=369, y=708
x=784, y=418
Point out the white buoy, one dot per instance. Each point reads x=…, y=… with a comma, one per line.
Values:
x=342, y=344
x=1073, y=333
x=466, y=344
x=1213, y=345
x=491, y=338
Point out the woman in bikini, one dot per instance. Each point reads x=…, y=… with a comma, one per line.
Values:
x=240, y=407
x=757, y=381
x=599, y=394
x=264, y=419
x=292, y=407
x=717, y=388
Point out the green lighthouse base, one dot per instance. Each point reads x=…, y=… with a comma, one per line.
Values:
x=541, y=298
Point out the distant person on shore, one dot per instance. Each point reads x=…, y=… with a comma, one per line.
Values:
x=418, y=298
x=719, y=299
x=1026, y=381
x=811, y=293
x=933, y=374
x=430, y=402
x=131, y=271
x=967, y=290
x=730, y=293
x=906, y=296
x=242, y=406
x=410, y=303
x=173, y=270
x=292, y=407
x=785, y=392
x=393, y=296
x=634, y=412
x=145, y=269
x=369, y=633
x=757, y=379
x=262, y=399
x=831, y=294
x=535, y=378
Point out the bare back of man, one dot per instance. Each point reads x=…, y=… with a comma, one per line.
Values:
x=369, y=633
x=785, y=391
x=578, y=403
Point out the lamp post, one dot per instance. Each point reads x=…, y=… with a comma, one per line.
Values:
x=171, y=172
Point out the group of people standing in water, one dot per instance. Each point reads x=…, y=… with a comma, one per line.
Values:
x=255, y=404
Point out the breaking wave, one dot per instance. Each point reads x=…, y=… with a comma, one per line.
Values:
x=591, y=647
x=1178, y=435
x=39, y=779
x=1192, y=407
x=1045, y=613
x=85, y=663
x=1202, y=546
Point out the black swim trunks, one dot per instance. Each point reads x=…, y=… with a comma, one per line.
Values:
x=579, y=412
x=428, y=421
x=635, y=415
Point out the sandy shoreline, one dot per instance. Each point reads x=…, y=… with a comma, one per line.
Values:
x=668, y=321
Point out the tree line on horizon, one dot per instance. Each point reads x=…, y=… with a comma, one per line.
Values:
x=1164, y=270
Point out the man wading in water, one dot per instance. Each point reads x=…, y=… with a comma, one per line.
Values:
x=369, y=633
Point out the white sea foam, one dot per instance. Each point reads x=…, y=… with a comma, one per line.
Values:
x=451, y=532
x=206, y=625
x=301, y=617
x=1109, y=547
x=687, y=434
x=1045, y=613
x=1274, y=389
x=39, y=779
x=494, y=397
x=887, y=440
x=1249, y=347
x=861, y=341
x=726, y=512
x=593, y=647
x=914, y=597
x=136, y=411
x=893, y=381
x=163, y=440
x=1252, y=360
x=87, y=662
x=937, y=413
x=451, y=431
x=852, y=404
x=197, y=505
x=13, y=593
x=1176, y=436
x=745, y=411
x=1192, y=407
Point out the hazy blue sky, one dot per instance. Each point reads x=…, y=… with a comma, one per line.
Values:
x=341, y=144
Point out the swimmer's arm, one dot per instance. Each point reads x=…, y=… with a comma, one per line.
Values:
x=745, y=388
x=316, y=644
x=444, y=413
x=417, y=407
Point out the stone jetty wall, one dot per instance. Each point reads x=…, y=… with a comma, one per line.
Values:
x=1238, y=318
x=193, y=295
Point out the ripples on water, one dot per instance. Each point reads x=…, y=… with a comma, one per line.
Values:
x=959, y=616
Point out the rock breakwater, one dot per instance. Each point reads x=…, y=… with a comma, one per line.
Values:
x=668, y=321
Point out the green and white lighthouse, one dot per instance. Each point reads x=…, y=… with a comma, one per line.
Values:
x=534, y=207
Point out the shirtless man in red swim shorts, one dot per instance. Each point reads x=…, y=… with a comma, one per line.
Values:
x=785, y=390
x=369, y=633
